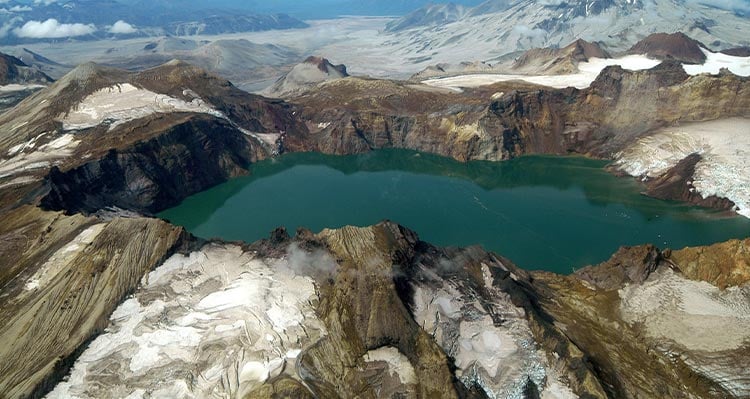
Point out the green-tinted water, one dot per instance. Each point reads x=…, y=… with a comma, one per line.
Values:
x=546, y=213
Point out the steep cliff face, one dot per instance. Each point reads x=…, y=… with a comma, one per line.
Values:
x=158, y=173
x=510, y=119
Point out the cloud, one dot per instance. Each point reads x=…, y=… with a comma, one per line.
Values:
x=51, y=28
x=45, y=2
x=525, y=31
x=310, y=263
x=122, y=28
x=18, y=8
x=6, y=28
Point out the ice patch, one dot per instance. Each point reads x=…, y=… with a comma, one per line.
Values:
x=499, y=358
x=694, y=320
x=233, y=323
x=724, y=145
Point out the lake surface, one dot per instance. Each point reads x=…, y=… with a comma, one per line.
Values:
x=548, y=213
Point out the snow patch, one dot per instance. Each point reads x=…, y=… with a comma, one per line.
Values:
x=13, y=87
x=694, y=314
x=21, y=161
x=398, y=363
x=63, y=257
x=715, y=61
x=694, y=320
x=124, y=102
x=587, y=73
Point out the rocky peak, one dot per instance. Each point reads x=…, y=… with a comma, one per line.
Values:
x=312, y=71
x=326, y=67
x=676, y=46
x=583, y=50
x=559, y=60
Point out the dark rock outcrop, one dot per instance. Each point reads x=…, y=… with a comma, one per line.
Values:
x=155, y=174
x=628, y=265
x=737, y=51
x=677, y=184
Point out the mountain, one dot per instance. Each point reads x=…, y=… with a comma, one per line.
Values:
x=305, y=76
x=18, y=80
x=15, y=71
x=218, y=24
x=490, y=7
x=615, y=24
x=239, y=60
x=430, y=15
x=676, y=46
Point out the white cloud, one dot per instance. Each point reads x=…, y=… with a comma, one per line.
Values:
x=122, y=27
x=18, y=8
x=45, y=2
x=51, y=28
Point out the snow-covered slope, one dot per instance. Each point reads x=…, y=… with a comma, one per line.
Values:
x=588, y=71
x=724, y=168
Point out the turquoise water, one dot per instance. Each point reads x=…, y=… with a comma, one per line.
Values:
x=549, y=213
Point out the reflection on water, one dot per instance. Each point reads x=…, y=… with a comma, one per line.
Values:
x=547, y=213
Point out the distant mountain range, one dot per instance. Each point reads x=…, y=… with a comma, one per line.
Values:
x=500, y=26
x=23, y=22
